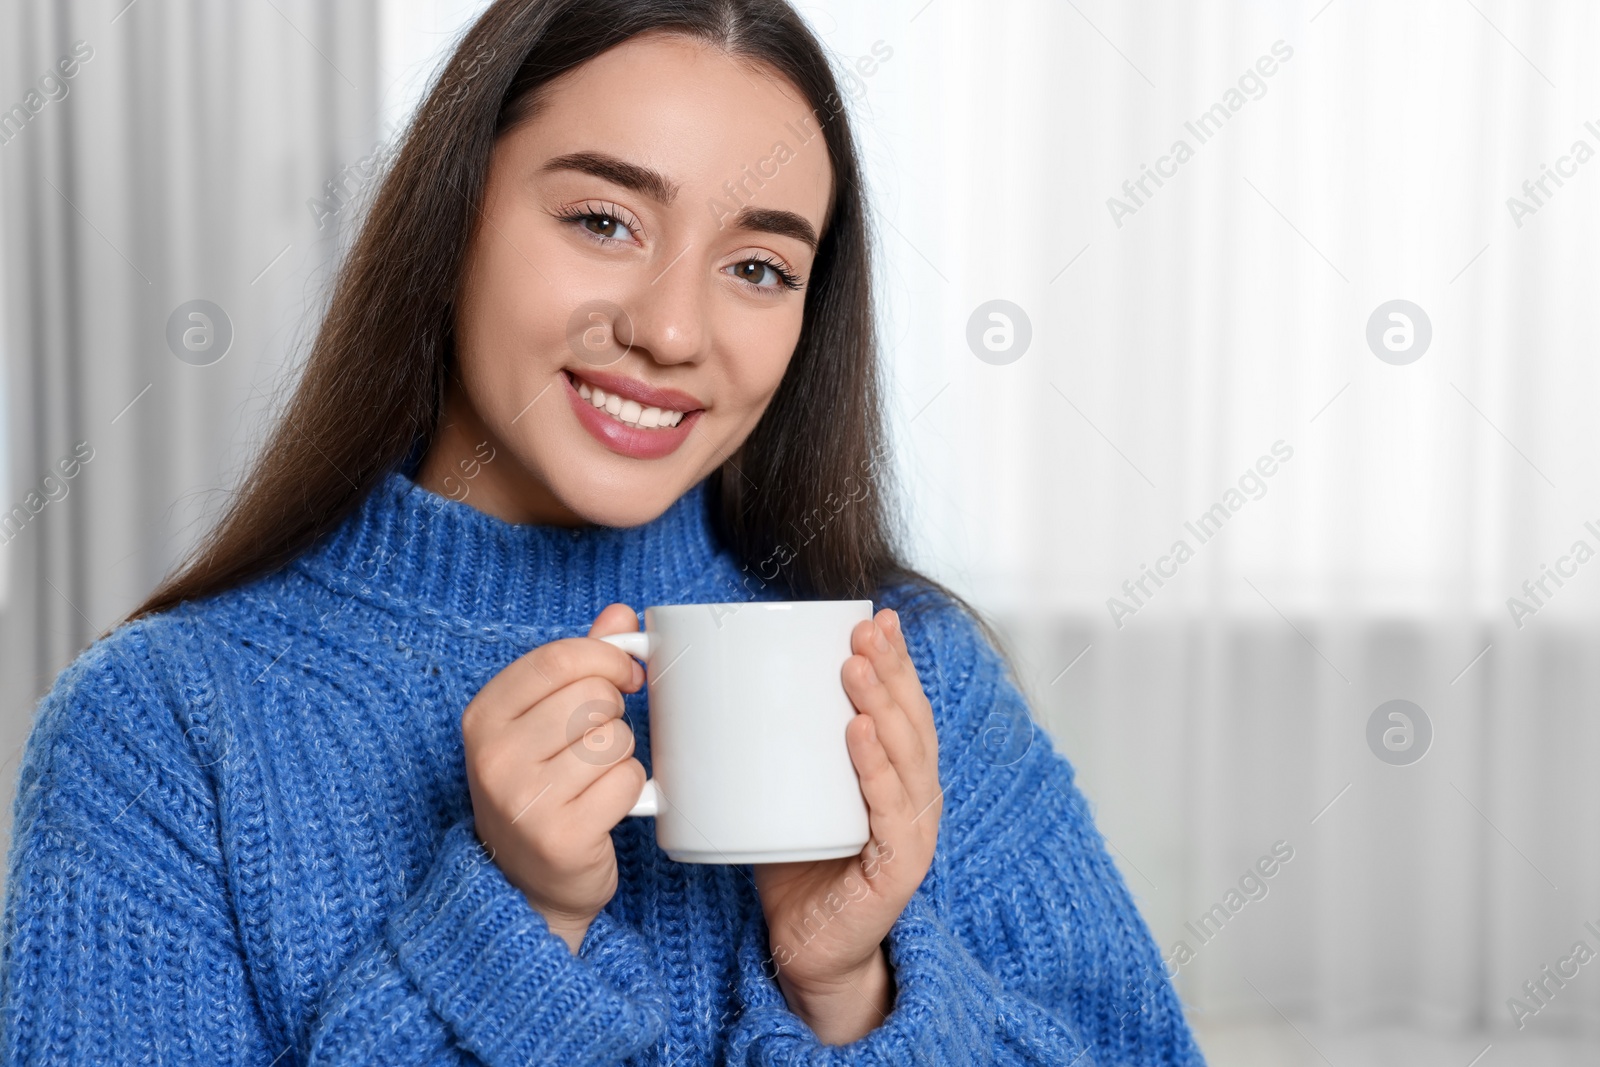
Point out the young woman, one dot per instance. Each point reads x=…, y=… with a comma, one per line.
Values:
x=331, y=794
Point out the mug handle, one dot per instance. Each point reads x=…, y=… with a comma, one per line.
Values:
x=637, y=645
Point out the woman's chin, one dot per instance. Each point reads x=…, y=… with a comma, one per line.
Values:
x=623, y=504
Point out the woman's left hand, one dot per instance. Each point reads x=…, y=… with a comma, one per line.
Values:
x=827, y=919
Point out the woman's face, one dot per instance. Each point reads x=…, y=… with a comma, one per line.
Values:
x=649, y=235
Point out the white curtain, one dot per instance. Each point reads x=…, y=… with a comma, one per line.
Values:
x=181, y=159
x=1362, y=153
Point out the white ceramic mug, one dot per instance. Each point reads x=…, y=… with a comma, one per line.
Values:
x=747, y=730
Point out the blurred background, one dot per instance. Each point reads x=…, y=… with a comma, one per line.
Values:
x=1242, y=369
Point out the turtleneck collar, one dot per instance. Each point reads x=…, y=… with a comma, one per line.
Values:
x=412, y=550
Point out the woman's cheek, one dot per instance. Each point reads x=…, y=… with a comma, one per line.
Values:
x=759, y=361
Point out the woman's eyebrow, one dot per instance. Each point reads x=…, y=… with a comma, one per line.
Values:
x=773, y=220
x=651, y=183
x=658, y=187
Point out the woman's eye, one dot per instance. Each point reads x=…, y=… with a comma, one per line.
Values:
x=760, y=273
x=606, y=226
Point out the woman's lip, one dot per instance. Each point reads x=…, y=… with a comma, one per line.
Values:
x=649, y=396
x=625, y=440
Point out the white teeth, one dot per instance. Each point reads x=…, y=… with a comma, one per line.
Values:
x=630, y=412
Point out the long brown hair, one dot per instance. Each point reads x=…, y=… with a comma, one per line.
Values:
x=803, y=503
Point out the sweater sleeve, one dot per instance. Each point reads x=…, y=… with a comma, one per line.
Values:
x=120, y=942
x=1022, y=946
x=467, y=960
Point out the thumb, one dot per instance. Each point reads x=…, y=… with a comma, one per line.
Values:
x=614, y=619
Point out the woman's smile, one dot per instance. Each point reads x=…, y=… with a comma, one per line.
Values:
x=630, y=417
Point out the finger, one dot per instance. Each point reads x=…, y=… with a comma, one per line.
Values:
x=614, y=619
x=890, y=619
x=605, y=741
x=897, y=734
x=894, y=727
x=888, y=802
x=601, y=740
x=905, y=686
x=565, y=718
x=892, y=660
x=884, y=645
x=533, y=677
x=608, y=799
x=618, y=619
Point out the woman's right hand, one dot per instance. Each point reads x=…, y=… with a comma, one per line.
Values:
x=551, y=770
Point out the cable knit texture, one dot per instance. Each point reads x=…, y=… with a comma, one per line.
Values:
x=243, y=836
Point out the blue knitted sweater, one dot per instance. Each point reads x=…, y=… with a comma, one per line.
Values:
x=243, y=836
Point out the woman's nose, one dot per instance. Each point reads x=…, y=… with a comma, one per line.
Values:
x=666, y=317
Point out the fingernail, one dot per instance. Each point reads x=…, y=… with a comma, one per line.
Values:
x=894, y=620
x=878, y=640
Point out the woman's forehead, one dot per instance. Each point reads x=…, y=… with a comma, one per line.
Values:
x=713, y=126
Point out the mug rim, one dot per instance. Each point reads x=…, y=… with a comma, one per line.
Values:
x=770, y=605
